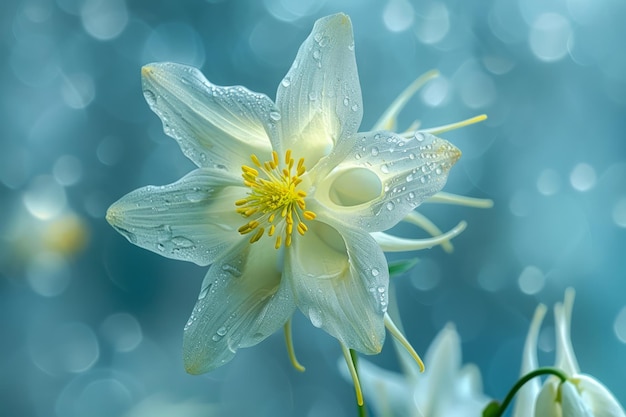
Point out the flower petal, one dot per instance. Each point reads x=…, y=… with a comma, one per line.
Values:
x=524, y=404
x=193, y=219
x=388, y=393
x=243, y=300
x=382, y=178
x=565, y=357
x=546, y=404
x=340, y=280
x=213, y=125
x=572, y=402
x=598, y=397
x=320, y=97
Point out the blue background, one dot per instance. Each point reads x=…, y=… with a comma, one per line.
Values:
x=92, y=326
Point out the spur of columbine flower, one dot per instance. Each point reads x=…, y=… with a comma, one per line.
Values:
x=446, y=388
x=304, y=227
x=570, y=394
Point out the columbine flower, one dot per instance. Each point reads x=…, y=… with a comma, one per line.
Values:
x=303, y=229
x=445, y=389
x=580, y=395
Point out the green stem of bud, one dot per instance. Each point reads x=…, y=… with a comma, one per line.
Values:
x=495, y=410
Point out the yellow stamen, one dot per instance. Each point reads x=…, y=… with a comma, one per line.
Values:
x=274, y=202
x=290, y=350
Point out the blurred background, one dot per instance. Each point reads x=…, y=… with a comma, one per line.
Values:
x=92, y=325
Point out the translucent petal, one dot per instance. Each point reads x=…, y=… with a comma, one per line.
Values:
x=527, y=394
x=340, y=281
x=193, y=219
x=572, y=402
x=213, y=125
x=320, y=97
x=383, y=178
x=388, y=393
x=600, y=400
x=243, y=300
x=546, y=404
x=565, y=357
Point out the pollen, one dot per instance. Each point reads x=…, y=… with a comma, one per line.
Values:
x=274, y=205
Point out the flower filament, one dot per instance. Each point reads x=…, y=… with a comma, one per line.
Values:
x=274, y=202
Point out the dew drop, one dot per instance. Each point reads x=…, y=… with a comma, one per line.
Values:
x=346, y=101
x=375, y=151
x=423, y=180
x=409, y=178
x=216, y=338
x=375, y=272
x=438, y=171
x=274, y=115
x=411, y=155
x=286, y=82
x=357, y=155
x=390, y=206
x=150, y=97
x=160, y=247
x=384, y=169
x=316, y=54
x=411, y=195
x=351, y=46
x=316, y=317
x=182, y=242
x=419, y=136
x=195, y=195
x=313, y=96
x=221, y=331
x=381, y=290
x=355, y=107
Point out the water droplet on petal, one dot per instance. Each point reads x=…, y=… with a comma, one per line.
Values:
x=390, y=205
x=375, y=271
x=183, y=242
x=286, y=82
x=375, y=151
x=274, y=115
x=384, y=169
x=221, y=331
x=316, y=317
x=150, y=97
x=346, y=101
x=419, y=136
x=355, y=107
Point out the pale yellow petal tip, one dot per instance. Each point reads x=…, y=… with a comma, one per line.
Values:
x=113, y=216
x=147, y=71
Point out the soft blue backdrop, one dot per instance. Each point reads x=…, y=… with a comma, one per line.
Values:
x=92, y=326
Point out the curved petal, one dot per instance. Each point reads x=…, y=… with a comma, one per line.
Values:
x=524, y=405
x=546, y=404
x=320, y=97
x=243, y=300
x=598, y=397
x=383, y=178
x=572, y=402
x=565, y=357
x=193, y=219
x=340, y=280
x=213, y=125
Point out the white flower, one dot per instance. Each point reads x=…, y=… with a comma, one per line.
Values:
x=303, y=229
x=580, y=395
x=446, y=388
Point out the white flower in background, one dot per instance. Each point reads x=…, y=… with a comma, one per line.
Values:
x=446, y=388
x=303, y=229
x=580, y=395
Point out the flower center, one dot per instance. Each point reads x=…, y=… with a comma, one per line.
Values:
x=274, y=203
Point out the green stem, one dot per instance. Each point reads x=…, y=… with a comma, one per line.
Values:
x=355, y=360
x=537, y=372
